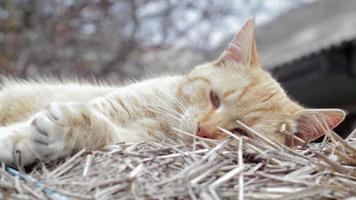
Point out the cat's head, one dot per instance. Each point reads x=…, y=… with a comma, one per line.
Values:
x=235, y=87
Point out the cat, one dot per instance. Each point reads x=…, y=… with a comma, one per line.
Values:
x=46, y=121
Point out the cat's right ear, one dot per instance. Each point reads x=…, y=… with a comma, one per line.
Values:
x=242, y=49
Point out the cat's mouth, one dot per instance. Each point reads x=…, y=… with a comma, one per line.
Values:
x=239, y=131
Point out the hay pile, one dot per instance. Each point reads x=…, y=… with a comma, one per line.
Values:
x=238, y=167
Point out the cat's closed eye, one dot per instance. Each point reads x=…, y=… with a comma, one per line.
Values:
x=214, y=98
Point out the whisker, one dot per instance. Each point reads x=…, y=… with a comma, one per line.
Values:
x=173, y=117
x=174, y=99
x=164, y=112
x=167, y=109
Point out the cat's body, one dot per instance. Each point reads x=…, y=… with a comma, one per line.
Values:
x=46, y=121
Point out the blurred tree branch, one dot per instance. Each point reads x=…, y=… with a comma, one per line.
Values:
x=107, y=38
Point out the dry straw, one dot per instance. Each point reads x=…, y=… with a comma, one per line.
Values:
x=236, y=168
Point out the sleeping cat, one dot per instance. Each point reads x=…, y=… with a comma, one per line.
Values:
x=46, y=121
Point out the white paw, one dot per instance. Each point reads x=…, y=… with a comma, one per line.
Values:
x=6, y=145
x=47, y=132
x=14, y=145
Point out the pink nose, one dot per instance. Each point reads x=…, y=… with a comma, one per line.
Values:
x=203, y=133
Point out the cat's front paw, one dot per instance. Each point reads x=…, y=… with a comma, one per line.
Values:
x=14, y=145
x=51, y=129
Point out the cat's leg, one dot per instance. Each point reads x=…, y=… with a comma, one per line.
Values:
x=62, y=128
x=56, y=131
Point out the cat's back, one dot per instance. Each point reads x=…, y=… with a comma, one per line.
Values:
x=18, y=99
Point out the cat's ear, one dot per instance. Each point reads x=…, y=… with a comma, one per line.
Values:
x=242, y=49
x=313, y=123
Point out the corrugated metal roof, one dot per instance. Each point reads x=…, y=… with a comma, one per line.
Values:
x=305, y=30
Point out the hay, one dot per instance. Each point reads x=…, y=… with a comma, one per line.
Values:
x=236, y=168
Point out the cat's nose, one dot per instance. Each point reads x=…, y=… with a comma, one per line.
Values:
x=201, y=132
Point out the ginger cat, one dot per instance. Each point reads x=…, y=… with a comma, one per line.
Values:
x=46, y=121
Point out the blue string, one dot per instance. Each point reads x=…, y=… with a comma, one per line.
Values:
x=49, y=192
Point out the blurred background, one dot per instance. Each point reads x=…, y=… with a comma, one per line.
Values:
x=309, y=45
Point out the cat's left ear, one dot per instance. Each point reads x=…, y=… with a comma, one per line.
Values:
x=242, y=49
x=313, y=123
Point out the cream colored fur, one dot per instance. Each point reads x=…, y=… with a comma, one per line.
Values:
x=46, y=121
